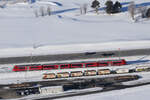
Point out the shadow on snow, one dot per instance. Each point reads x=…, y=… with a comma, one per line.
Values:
x=62, y=11
x=137, y=61
x=57, y=3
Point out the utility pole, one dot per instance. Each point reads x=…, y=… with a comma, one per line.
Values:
x=31, y=58
x=119, y=53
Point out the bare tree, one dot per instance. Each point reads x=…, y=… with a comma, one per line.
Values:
x=131, y=9
x=42, y=11
x=81, y=12
x=49, y=10
x=36, y=13
x=85, y=8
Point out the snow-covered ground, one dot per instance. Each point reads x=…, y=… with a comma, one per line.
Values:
x=136, y=93
x=66, y=30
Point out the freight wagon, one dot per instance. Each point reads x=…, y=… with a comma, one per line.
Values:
x=103, y=71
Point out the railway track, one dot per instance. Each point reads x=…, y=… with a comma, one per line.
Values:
x=105, y=89
x=75, y=56
x=68, y=84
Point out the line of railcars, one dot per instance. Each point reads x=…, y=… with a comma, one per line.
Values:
x=87, y=64
x=76, y=74
x=93, y=72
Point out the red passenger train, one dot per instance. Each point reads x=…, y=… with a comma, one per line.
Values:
x=69, y=65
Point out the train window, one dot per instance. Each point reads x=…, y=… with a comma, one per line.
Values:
x=91, y=64
x=49, y=66
x=64, y=66
x=34, y=66
x=103, y=63
x=117, y=62
x=76, y=64
x=21, y=67
x=77, y=72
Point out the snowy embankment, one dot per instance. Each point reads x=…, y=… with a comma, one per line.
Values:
x=73, y=48
x=66, y=31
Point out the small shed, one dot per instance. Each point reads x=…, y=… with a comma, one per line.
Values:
x=51, y=90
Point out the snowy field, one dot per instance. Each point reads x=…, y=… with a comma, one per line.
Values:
x=65, y=31
x=137, y=93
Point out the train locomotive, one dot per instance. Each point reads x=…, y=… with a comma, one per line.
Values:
x=33, y=67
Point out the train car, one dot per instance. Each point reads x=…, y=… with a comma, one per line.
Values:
x=121, y=71
x=49, y=76
x=76, y=74
x=140, y=69
x=112, y=62
x=103, y=71
x=91, y=64
x=63, y=75
x=35, y=67
x=64, y=66
x=27, y=67
x=49, y=67
x=76, y=65
x=20, y=68
x=103, y=63
x=90, y=72
x=118, y=62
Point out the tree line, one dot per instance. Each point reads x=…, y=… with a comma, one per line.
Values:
x=110, y=8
